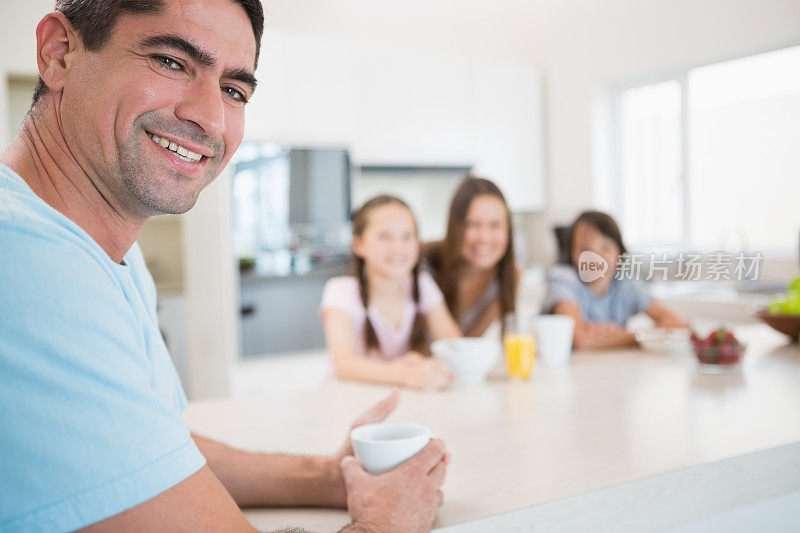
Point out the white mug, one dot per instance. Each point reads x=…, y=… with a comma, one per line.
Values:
x=383, y=446
x=554, y=339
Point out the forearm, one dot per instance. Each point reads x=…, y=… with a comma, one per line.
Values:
x=263, y=480
x=671, y=320
x=364, y=369
x=441, y=323
x=664, y=318
x=585, y=340
x=361, y=527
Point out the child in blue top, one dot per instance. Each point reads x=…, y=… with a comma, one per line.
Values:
x=602, y=304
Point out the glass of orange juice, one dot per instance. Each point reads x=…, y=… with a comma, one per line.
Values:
x=520, y=346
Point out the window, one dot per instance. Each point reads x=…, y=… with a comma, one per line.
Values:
x=260, y=189
x=652, y=164
x=710, y=159
x=291, y=207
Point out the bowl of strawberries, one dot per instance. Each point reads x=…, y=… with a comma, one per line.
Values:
x=720, y=352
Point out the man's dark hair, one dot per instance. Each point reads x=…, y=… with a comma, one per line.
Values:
x=94, y=20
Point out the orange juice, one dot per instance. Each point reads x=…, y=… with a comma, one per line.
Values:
x=520, y=353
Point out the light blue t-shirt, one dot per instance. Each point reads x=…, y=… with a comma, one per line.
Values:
x=90, y=403
x=623, y=299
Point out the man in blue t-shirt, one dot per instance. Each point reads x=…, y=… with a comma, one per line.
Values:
x=140, y=105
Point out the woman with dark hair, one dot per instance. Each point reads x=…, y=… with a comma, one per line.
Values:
x=474, y=264
x=588, y=290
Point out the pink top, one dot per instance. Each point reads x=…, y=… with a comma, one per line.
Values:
x=343, y=293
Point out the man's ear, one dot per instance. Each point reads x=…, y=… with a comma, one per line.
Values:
x=55, y=40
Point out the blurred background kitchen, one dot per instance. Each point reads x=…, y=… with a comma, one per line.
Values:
x=679, y=117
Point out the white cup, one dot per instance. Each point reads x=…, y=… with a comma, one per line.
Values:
x=470, y=359
x=383, y=446
x=554, y=339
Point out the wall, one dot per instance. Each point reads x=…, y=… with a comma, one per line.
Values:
x=425, y=193
x=19, y=101
x=17, y=48
x=211, y=292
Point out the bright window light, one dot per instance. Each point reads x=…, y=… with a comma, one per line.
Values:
x=651, y=164
x=737, y=185
x=744, y=152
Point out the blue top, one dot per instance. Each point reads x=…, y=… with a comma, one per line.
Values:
x=623, y=299
x=90, y=402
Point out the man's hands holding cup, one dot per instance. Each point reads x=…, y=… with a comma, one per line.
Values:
x=404, y=499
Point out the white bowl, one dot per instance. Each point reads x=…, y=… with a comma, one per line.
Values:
x=469, y=358
x=665, y=341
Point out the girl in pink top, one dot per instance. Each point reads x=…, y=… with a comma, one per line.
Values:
x=378, y=321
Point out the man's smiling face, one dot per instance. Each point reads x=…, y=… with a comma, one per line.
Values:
x=179, y=78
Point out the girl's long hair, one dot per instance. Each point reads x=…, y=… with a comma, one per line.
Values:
x=445, y=256
x=359, y=220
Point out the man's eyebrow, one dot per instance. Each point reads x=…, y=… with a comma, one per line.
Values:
x=243, y=76
x=179, y=43
x=198, y=55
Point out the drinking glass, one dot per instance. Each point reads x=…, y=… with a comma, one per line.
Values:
x=520, y=346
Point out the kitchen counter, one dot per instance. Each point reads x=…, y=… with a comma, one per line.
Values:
x=725, y=301
x=630, y=438
x=335, y=265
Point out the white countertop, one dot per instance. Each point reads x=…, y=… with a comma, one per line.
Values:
x=608, y=419
x=699, y=300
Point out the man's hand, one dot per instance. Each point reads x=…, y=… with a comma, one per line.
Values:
x=403, y=500
x=377, y=413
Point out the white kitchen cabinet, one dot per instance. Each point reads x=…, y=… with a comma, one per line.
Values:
x=392, y=106
x=306, y=91
x=267, y=114
x=414, y=110
x=411, y=110
x=323, y=89
x=507, y=132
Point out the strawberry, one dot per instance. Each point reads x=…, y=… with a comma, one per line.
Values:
x=721, y=336
x=719, y=347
